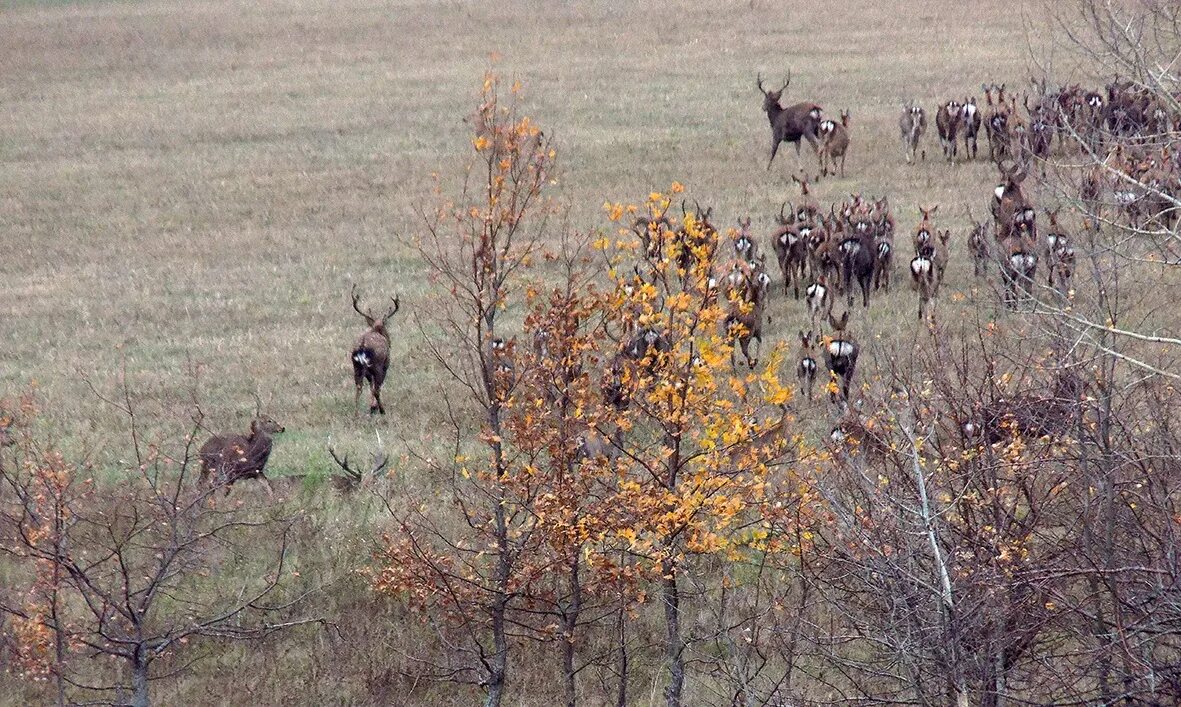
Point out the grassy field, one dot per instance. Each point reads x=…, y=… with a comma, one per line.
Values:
x=195, y=187
x=190, y=189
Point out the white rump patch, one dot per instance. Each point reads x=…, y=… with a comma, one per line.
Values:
x=815, y=113
x=840, y=348
x=999, y=191
x=1030, y=262
x=883, y=249
x=1017, y=259
x=920, y=266
x=764, y=279
x=969, y=110
x=808, y=364
x=805, y=232
x=361, y=358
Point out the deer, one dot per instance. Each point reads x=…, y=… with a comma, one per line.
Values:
x=1011, y=208
x=927, y=268
x=996, y=122
x=370, y=356
x=883, y=240
x=743, y=242
x=924, y=233
x=806, y=361
x=970, y=119
x=1018, y=268
x=744, y=321
x=911, y=127
x=652, y=232
x=947, y=122
x=809, y=208
x=790, y=124
x=1059, y=254
x=818, y=297
x=858, y=255
x=834, y=143
x=228, y=459
x=978, y=245
x=840, y=355
x=697, y=246
x=789, y=244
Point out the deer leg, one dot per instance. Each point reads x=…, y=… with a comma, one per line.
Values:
x=774, y=149
x=377, y=406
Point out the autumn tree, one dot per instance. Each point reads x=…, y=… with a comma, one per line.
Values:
x=121, y=569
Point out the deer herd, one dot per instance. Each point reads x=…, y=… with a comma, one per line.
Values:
x=848, y=250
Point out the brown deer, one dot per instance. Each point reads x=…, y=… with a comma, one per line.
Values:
x=924, y=233
x=927, y=268
x=1059, y=254
x=371, y=354
x=744, y=322
x=790, y=124
x=840, y=355
x=883, y=240
x=978, y=246
x=790, y=247
x=970, y=120
x=743, y=242
x=911, y=127
x=806, y=364
x=1018, y=268
x=819, y=299
x=228, y=459
x=834, y=143
x=996, y=122
x=947, y=122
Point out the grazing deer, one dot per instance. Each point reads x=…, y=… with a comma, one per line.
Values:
x=947, y=122
x=371, y=354
x=790, y=246
x=834, y=143
x=744, y=321
x=806, y=364
x=799, y=120
x=840, y=355
x=970, y=119
x=818, y=297
x=978, y=246
x=911, y=127
x=228, y=459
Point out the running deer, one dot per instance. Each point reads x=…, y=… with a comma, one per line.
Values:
x=840, y=355
x=371, y=354
x=883, y=240
x=743, y=242
x=806, y=364
x=744, y=322
x=996, y=122
x=978, y=245
x=927, y=268
x=228, y=459
x=834, y=143
x=924, y=233
x=789, y=242
x=1018, y=268
x=819, y=298
x=1059, y=255
x=970, y=119
x=911, y=127
x=790, y=124
x=947, y=122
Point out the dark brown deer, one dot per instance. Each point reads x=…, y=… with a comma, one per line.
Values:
x=922, y=277
x=806, y=363
x=947, y=122
x=1059, y=255
x=1018, y=268
x=834, y=143
x=883, y=240
x=371, y=354
x=743, y=242
x=228, y=459
x=840, y=355
x=996, y=122
x=790, y=124
x=911, y=127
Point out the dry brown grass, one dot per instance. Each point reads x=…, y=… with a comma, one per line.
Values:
x=199, y=184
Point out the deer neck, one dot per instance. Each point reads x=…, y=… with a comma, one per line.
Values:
x=773, y=113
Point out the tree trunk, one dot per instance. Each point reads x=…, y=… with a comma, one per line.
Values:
x=673, y=650
x=621, y=630
x=570, y=620
x=498, y=661
x=139, y=679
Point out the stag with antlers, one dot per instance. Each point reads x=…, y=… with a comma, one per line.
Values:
x=370, y=356
x=790, y=124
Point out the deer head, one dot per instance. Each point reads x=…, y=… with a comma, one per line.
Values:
x=375, y=323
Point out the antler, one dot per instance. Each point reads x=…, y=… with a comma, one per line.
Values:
x=356, y=305
x=759, y=82
x=380, y=460
x=787, y=82
x=393, y=310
